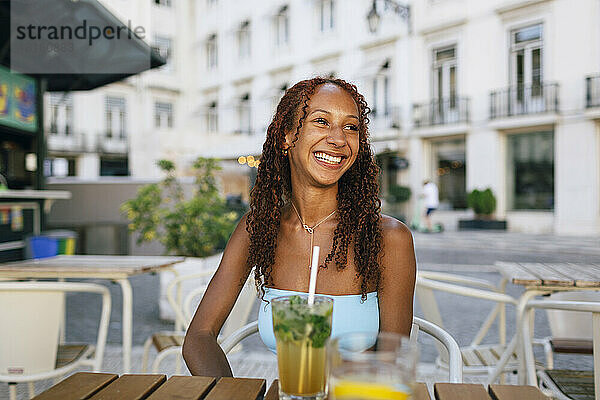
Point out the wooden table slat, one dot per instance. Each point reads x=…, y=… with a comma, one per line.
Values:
x=78, y=386
x=517, y=275
x=184, y=388
x=238, y=388
x=460, y=391
x=131, y=387
x=420, y=392
x=273, y=392
x=550, y=275
x=585, y=275
x=510, y=392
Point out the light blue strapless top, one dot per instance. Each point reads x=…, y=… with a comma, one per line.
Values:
x=349, y=315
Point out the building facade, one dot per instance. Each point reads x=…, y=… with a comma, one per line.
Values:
x=122, y=128
x=472, y=94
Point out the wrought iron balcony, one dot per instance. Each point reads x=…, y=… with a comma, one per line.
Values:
x=592, y=91
x=524, y=100
x=384, y=119
x=451, y=110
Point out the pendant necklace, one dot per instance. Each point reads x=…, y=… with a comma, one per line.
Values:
x=310, y=230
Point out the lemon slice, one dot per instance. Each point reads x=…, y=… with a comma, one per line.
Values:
x=368, y=391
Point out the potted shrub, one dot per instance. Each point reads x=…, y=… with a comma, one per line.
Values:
x=196, y=226
x=397, y=196
x=483, y=204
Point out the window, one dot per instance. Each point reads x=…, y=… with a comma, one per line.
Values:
x=114, y=167
x=244, y=43
x=526, y=63
x=381, y=91
x=282, y=27
x=530, y=171
x=61, y=167
x=115, y=113
x=326, y=15
x=212, y=118
x=164, y=47
x=279, y=92
x=61, y=113
x=244, y=114
x=444, y=84
x=163, y=115
x=165, y=3
x=449, y=167
x=211, y=52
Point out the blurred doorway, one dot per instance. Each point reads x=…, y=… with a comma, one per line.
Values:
x=449, y=170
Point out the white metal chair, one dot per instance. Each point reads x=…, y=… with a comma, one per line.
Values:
x=169, y=343
x=455, y=365
x=29, y=332
x=478, y=358
x=555, y=380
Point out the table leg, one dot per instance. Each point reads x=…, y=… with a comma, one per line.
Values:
x=127, y=323
x=515, y=343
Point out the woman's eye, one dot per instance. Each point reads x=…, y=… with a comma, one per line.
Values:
x=352, y=127
x=322, y=121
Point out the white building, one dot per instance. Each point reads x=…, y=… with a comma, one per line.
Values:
x=473, y=94
x=122, y=128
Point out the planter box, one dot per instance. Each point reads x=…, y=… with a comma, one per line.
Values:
x=466, y=224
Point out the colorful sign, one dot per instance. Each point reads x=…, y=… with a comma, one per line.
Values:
x=17, y=100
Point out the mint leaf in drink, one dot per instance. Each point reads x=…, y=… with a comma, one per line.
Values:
x=296, y=321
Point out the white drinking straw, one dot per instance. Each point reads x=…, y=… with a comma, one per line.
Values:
x=314, y=268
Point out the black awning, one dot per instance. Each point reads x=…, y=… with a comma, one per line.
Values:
x=134, y=56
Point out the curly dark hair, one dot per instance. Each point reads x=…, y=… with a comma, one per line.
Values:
x=359, y=207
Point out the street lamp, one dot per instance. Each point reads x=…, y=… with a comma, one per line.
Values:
x=373, y=17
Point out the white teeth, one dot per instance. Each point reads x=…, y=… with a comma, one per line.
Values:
x=327, y=158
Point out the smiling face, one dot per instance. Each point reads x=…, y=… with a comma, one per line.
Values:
x=328, y=140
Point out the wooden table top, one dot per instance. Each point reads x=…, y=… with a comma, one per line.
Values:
x=557, y=275
x=80, y=265
x=99, y=386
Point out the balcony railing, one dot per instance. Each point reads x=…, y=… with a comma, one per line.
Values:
x=524, y=100
x=451, y=110
x=383, y=120
x=592, y=91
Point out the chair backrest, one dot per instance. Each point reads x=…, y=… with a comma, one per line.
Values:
x=571, y=324
x=240, y=314
x=589, y=307
x=29, y=332
x=455, y=363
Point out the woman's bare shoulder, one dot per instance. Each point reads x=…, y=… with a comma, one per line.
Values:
x=394, y=230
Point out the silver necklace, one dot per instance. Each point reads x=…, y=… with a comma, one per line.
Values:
x=310, y=230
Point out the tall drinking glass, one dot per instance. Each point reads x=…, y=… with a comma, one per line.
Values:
x=301, y=332
x=371, y=366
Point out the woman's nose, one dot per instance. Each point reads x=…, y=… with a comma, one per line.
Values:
x=336, y=136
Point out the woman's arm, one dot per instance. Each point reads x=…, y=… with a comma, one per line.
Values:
x=397, y=286
x=201, y=352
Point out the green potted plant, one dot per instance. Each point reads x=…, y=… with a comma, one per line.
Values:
x=397, y=196
x=483, y=204
x=196, y=225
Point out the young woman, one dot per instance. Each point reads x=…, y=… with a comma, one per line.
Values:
x=316, y=184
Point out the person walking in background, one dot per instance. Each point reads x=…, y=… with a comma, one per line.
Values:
x=432, y=201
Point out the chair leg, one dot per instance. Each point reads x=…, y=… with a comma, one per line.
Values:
x=147, y=345
x=31, y=386
x=12, y=391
